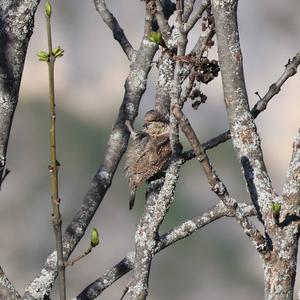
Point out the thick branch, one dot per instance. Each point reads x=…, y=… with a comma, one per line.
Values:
x=244, y=135
x=114, y=26
x=147, y=231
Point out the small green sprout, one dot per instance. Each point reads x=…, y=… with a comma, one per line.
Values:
x=156, y=37
x=58, y=52
x=276, y=208
x=48, y=9
x=43, y=56
x=94, y=238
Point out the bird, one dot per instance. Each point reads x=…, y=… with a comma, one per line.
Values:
x=149, y=152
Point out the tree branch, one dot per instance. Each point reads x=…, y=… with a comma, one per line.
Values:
x=147, y=231
x=114, y=26
x=179, y=232
x=290, y=70
x=244, y=135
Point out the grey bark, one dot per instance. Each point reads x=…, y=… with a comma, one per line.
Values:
x=282, y=237
x=16, y=25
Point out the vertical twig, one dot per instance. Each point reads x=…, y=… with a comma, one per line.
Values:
x=56, y=216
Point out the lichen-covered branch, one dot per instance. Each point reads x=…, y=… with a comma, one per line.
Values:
x=244, y=135
x=164, y=84
x=116, y=29
x=280, y=271
x=16, y=23
x=179, y=232
x=147, y=231
x=280, y=265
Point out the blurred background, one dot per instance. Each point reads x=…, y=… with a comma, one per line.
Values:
x=217, y=262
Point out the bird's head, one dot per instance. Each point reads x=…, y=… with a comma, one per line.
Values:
x=155, y=123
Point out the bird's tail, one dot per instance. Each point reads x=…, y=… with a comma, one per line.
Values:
x=132, y=197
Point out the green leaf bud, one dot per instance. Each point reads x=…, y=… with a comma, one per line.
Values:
x=58, y=52
x=156, y=37
x=94, y=237
x=48, y=9
x=276, y=208
x=43, y=56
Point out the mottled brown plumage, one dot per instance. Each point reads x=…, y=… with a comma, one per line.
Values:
x=149, y=152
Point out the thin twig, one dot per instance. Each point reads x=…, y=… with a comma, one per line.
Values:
x=116, y=29
x=71, y=262
x=290, y=70
x=55, y=200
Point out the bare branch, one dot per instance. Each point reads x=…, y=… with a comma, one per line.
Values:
x=179, y=232
x=290, y=70
x=114, y=26
x=217, y=186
